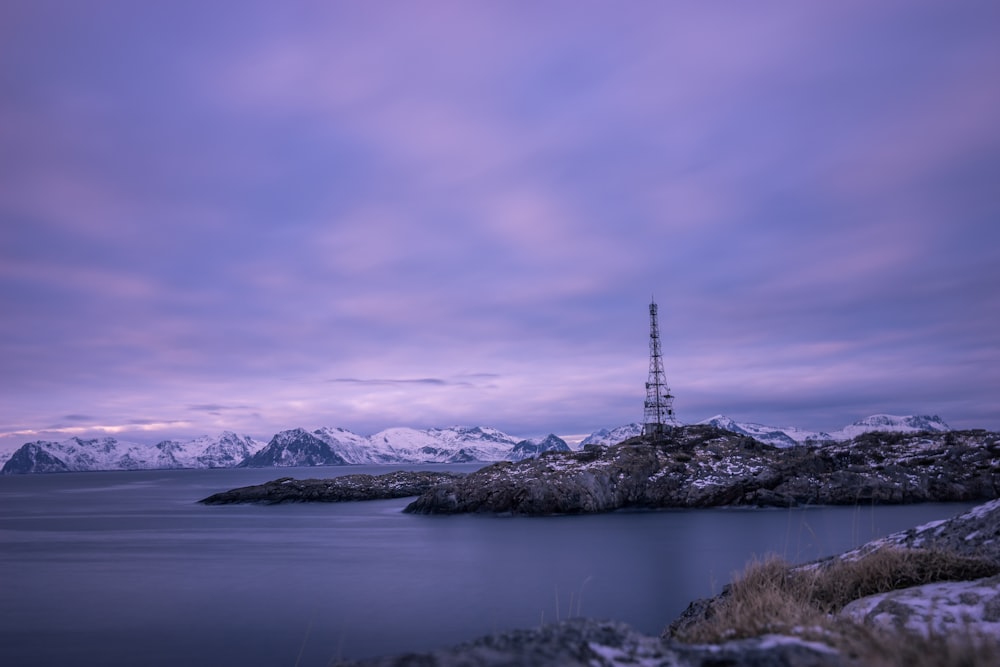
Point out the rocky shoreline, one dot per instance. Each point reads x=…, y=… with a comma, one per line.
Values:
x=703, y=466
x=347, y=488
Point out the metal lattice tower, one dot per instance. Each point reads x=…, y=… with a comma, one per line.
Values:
x=659, y=411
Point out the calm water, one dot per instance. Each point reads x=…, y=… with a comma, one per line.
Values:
x=124, y=568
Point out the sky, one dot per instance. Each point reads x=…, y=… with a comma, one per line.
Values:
x=254, y=216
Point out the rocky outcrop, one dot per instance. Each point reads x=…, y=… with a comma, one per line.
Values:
x=703, y=466
x=588, y=643
x=339, y=489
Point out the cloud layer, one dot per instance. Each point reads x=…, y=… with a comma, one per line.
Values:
x=253, y=216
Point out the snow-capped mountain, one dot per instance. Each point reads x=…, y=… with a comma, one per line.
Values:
x=223, y=451
x=295, y=447
x=605, y=437
x=352, y=447
x=440, y=445
x=785, y=436
x=77, y=454
x=789, y=436
x=337, y=446
x=533, y=447
x=910, y=424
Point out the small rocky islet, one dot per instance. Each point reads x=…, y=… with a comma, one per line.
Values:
x=347, y=488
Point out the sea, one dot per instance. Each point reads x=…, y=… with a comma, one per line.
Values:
x=127, y=568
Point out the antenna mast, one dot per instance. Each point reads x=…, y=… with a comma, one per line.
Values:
x=659, y=404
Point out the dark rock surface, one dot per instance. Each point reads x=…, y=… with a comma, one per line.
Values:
x=589, y=643
x=703, y=466
x=338, y=489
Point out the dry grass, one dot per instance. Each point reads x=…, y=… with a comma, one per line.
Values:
x=771, y=597
x=837, y=582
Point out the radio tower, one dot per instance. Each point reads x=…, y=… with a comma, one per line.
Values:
x=659, y=401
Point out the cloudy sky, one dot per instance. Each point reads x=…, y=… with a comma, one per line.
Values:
x=256, y=216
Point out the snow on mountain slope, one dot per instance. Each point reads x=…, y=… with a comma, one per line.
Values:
x=77, y=454
x=352, y=447
x=226, y=450
x=401, y=445
x=294, y=447
x=788, y=436
x=439, y=445
x=907, y=424
x=605, y=437
x=535, y=446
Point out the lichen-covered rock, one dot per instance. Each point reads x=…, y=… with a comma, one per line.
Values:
x=942, y=608
x=400, y=484
x=703, y=466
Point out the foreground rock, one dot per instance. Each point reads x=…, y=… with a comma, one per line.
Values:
x=589, y=643
x=399, y=484
x=703, y=466
x=945, y=608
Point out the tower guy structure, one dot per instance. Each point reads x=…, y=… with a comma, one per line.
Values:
x=659, y=411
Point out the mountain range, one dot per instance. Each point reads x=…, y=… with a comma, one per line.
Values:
x=401, y=445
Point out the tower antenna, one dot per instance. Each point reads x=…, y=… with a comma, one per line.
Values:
x=659, y=404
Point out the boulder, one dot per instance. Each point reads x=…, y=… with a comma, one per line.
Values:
x=948, y=607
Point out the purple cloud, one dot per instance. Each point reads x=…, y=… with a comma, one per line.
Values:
x=200, y=214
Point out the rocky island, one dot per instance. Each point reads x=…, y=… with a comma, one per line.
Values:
x=703, y=466
x=692, y=467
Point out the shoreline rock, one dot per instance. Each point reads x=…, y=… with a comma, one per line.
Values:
x=347, y=488
x=704, y=466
